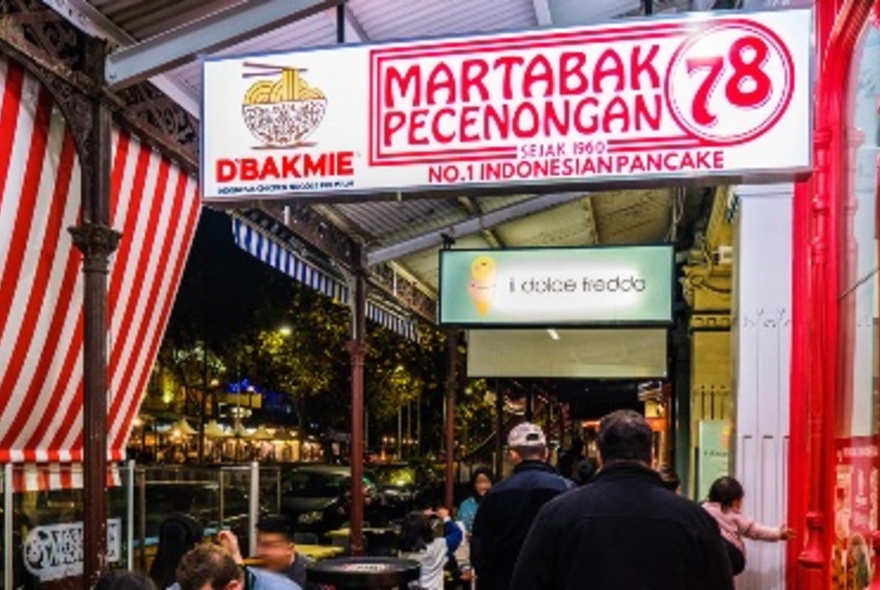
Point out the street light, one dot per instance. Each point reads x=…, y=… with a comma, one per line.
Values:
x=285, y=331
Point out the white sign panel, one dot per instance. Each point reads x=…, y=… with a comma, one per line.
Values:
x=55, y=552
x=557, y=286
x=702, y=95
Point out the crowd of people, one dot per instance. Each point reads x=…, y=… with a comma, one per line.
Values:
x=614, y=520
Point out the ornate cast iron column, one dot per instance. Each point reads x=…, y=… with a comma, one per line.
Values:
x=96, y=240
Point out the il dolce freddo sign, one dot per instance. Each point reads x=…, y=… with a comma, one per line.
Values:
x=553, y=287
x=725, y=95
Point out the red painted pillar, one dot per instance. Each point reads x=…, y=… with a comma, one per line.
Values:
x=816, y=275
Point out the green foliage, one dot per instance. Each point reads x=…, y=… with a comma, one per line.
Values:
x=231, y=310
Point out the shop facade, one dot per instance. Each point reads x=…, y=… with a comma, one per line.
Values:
x=834, y=447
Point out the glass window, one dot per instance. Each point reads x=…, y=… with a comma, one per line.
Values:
x=857, y=484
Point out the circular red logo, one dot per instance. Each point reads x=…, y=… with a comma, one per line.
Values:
x=730, y=83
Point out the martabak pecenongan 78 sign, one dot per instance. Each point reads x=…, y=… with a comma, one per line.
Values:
x=703, y=95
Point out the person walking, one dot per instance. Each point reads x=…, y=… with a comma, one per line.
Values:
x=509, y=508
x=625, y=529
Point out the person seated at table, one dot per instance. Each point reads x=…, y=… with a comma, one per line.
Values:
x=276, y=550
x=417, y=542
x=210, y=567
x=177, y=535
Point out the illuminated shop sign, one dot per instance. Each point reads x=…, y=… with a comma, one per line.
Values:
x=555, y=287
x=701, y=95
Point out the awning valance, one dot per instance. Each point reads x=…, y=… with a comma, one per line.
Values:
x=266, y=247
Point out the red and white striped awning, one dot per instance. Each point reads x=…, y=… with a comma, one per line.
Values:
x=155, y=205
x=54, y=476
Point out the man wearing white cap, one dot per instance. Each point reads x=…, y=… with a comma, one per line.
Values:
x=508, y=510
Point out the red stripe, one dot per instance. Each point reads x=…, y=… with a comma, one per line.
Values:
x=9, y=118
x=20, y=234
x=166, y=308
x=116, y=173
x=132, y=300
x=136, y=199
x=38, y=298
x=70, y=415
x=63, y=308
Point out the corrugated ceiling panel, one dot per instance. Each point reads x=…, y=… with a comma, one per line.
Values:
x=315, y=31
x=144, y=19
x=578, y=12
x=625, y=217
x=489, y=204
x=561, y=226
x=388, y=19
x=392, y=221
x=425, y=264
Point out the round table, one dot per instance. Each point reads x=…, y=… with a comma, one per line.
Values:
x=364, y=572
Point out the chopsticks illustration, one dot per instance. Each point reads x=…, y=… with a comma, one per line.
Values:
x=268, y=70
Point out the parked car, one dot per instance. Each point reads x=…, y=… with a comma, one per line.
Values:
x=317, y=498
x=406, y=487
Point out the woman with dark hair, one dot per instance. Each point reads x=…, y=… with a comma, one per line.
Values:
x=481, y=482
x=123, y=580
x=417, y=542
x=725, y=505
x=585, y=471
x=178, y=534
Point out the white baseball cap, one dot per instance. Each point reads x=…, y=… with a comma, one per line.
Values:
x=526, y=434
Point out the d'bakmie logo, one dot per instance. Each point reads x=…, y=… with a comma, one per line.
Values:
x=281, y=109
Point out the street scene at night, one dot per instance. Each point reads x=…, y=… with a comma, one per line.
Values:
x=439, y=294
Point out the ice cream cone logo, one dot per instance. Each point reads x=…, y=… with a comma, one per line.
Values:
x=482, y=283
x=282, y=109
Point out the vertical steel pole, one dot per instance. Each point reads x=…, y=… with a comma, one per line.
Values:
x=142, y=518
x=96, y=240
x=357, y=348
x=253, y=508
x=8, y=527
x=129, y=513
x=451, y=381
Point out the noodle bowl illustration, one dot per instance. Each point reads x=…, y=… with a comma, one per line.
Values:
x=283, y=112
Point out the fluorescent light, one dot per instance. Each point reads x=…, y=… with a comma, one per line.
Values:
x=553, y=334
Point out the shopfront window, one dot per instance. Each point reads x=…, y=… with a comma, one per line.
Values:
x=857, y=492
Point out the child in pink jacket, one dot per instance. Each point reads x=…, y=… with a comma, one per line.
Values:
x=725, y=505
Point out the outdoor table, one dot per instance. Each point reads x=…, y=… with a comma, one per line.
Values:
x=367, y=573
x=344, y=533
x=319, y=552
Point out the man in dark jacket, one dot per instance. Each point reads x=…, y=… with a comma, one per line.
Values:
x=508, y=510
x=625, y=529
